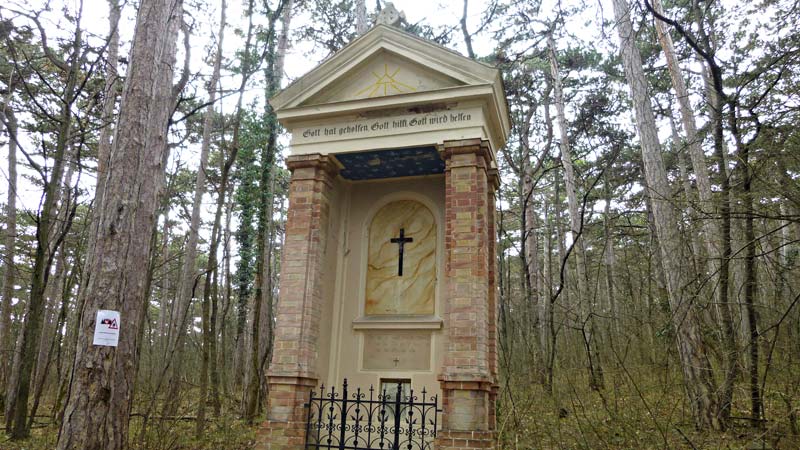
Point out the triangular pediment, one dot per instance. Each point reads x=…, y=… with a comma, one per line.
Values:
x=382, y=74
x=384, y=62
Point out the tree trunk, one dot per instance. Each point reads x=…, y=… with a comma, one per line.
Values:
x=268, y=315
x=54, y=291
x=262, y=283
x=530, y=260
x=10, y=242
x=72, y=325
x=751, y=286
x=46, y=230
x=783, y=271
x=188, y=274
x=719, y=250
x=689, y=205
x=164, y=297
x=608, y=263
x=546, y=324
x=224, y=360
x=50, y=331
x=209, y=328
x=243, y=281
x=110, y=91
x=262, y=294
x=61, y=344
x=214, y=342
x=585, y=309
x=101, y=392
x=693, y=141
x=697, y=370
x=72, y=321
x=465, y=32
x=361, y=17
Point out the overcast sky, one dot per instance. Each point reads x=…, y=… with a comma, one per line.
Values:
x=301, y=57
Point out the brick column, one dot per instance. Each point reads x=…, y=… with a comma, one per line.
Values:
x=292, y=372
x=467, y=377
x=494, y=184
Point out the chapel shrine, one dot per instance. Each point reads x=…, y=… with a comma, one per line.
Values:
x=388, y=266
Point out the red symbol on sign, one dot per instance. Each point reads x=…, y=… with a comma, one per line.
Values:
x=112, y=323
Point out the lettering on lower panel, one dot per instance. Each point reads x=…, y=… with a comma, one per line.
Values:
x=400, y=350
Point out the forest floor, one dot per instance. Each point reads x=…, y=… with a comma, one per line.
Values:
x=639, y=408
x=224, y=433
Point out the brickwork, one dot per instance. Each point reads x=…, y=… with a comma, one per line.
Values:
x=465, y=440
x=493, y=406
x=469, y=373
x=286, y=425
x=494, y=183
x=470, y=360
x=292, y=372
x=466, y=310
x=465, y=405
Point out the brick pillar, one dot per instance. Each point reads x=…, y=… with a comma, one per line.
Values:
x=467, y=377
x=292, y=372
x=494, y=183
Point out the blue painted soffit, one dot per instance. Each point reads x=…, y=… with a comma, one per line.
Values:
x=403, y=162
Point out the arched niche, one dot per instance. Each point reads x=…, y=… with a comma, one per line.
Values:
x=410, y=289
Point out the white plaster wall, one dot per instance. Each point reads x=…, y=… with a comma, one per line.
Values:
x=357, y=202
x=331, y=255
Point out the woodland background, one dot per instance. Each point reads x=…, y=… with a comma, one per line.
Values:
x=649, y=216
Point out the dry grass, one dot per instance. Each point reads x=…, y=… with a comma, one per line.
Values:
x=640, y=408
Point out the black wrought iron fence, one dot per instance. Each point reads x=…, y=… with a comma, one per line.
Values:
x=369, y=420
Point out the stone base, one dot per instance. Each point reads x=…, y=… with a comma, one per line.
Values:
x=465, y=440
x=467, y=405
x=285, y=428
x=282, y=436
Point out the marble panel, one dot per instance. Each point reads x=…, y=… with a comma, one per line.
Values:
x=413, y=292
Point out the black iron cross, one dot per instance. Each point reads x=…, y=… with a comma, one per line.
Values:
x=401, y=241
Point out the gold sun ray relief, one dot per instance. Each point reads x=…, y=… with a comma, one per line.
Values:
x=385, y=84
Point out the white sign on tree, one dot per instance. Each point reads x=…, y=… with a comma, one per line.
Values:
x=106, y=328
